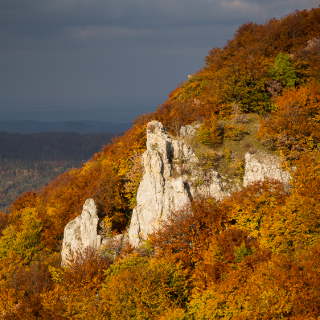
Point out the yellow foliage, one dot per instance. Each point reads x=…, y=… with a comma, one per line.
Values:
x=140, y=289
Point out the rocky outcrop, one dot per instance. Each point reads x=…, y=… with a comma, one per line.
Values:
x=81, y=233
x=170, y=181
x=172, y=178
x=261, y=166
x=87, y=232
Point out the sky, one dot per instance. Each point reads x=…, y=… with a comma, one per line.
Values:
x=111, y=60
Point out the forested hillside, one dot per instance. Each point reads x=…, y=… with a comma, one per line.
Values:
x=30, y=161
x=19, y=176
x=253, y=255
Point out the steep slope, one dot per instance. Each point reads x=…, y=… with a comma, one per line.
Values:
x=253, y=255
x=236, y=80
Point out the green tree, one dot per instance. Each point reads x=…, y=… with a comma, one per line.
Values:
x=284, y=71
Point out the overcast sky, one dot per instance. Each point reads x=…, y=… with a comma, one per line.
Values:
x=111, y=59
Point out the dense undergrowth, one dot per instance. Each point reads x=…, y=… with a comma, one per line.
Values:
x=254, y=255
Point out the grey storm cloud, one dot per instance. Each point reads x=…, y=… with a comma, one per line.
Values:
x=111, y=58
x=40, y=16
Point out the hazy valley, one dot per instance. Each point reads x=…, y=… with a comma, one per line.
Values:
x=33, y=153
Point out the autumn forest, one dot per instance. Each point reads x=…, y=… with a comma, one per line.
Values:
x=252, y=255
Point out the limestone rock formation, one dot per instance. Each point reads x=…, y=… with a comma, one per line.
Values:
x=170, y=181
x=87, y=232
x=172, y=174
x=172, y=178
x=261, y=166
x=81, y=233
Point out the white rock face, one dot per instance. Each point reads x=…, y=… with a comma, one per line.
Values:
x=262, y=166
x=166, y=186
x=172, y=178
x=85, y=231
x=81, y=233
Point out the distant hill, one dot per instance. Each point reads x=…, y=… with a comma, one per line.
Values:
x=51, y=146
x=30, y=126
x=19, y=176
x=28, y=161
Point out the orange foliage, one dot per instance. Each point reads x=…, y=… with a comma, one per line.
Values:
x=75, y=288
x=138, y=288
x=187, y=233
x=4, y=219
x=294, y=127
